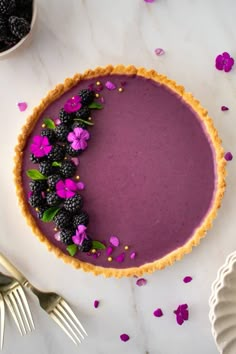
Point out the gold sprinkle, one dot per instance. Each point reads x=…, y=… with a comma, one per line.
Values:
x=89, y=118
x=36, y=209
x=48, y=190
x=43, y=125
x=97, y=95
x=98, y=83
x=77, y=177
x=120, y=89
x=93, y=250
x=55, y=229
x=126, y=248
x=65, y=158
x=109, y=259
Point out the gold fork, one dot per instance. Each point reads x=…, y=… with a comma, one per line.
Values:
x=16, y=301
x=2, y=319
x=57, y=308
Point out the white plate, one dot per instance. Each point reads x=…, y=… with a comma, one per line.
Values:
x=223, y=307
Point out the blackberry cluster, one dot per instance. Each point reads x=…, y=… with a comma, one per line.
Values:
x=67, y=169
x=61, y=132
x=73, y=204
x=7, y=7
x=79, y=125
x=50, y=134
x=83, y=113
x=53, y=199
x=62, y=219
x=81, y=219
x=35, y=159
x=52, y=181
x=86, y=245
x=87, y=96
x=66, y=118
x=38, y=186
x=36, y=200
x=66, y=236
x=19, y=27
x=3, y=29
x=46, y=168
x=57, y=153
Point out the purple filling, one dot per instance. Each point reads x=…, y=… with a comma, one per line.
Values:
x=148, y=171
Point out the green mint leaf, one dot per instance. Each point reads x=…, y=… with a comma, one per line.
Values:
x=56, y=164
x=72, y=249
x=95, y=105
x=49, y=214
x=84, y=121
x=49, y=123
x=98, y=245
x=35, y=175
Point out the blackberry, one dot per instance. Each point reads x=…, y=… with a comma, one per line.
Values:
x=7, y=6
x=49, y=133
x=67, y=169
x=52, y=181
x=83, y=113
x=11, y=40
x=66, y=118
x=86, y=245
x=36, y=200
x=81, y=219
x=87, y=96
x=38, y=186
x=19, y=27
x=66, y=236
x=79, y=125
x=57, y=153
x=61, y=132
x=24, y=12
x=70, y=151
x=41, y=211
x=34, y=159
x=46, y=168
x=53, y=199
x=62, y=219
x=73, y=204
x=23, y=3
x=3, y=29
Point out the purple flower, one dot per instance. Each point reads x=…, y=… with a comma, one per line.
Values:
x=141, y=282
x=114, y=241
x=40, y=146
x=78, y=138
x=181, y=314
x=66, y=189
x=80, y=235
x=124, y=337
x=224, y=62
x=73, y=104
x=110, y=86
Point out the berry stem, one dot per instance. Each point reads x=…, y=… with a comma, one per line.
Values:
x=84, y=121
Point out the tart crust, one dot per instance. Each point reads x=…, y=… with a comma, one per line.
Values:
x=220, y=162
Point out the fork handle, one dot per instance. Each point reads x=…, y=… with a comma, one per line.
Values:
x=12, y=270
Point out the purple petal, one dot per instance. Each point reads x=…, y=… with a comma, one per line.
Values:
x=85, y=135
x=83, y=144
x=75, y=160
x=149, y=1
x=141, y=282
x=60, y=185
x=158, y=313
x=22, y=106
x=96, y=304
x=159, y=51
x=120, y=258
x=61, y=193
x=124, y=337
x=187, y=279
x=219, y=66
x=114, y=241
x=68, y=194
x=81, y=229
x=76, y=239
x=57, y=236
x=132, y=255
x=109, y=251
x=219, y=59
x=228, y=156
x=179, y=319
x=45, y=141
x=183, y=307
x=70, y=184
x=71, y=137
x=78, y=131
x=110, y=86
x=80, y=186
x=76, y=145
x=224, y=108
x=227, y=67
x=184, y=314
x=102, y=99
x=57, y=121
x=226, y=55
x=30, y=193
x=37, y=140
x=47, y=149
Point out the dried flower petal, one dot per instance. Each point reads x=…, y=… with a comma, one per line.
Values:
x=228, y=156
x=109, y=250
x=57, y=236
x=96, y=304
x=75, y=160
x=80, y=186
x=141, y=282
x=132, y=255
x=187, y=279
x=120, y=258
x=124, y=337
x=224, y=108
x=102, y=99
x=114, y=241
x=110, y=86
x=158, y=313
x=22, y=106
x=181, y=313
x=179, y=319
x=159, y=51
x=57, y=121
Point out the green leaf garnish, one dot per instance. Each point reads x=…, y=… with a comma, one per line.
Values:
x=98, y=245
x=84, y=121
x=95, y=105
x=49, y=214
x=56, y=164
x=49, y=123
x=35, y=175
x=72, y=249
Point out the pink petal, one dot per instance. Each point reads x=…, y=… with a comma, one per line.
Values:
x=83, y=144
x=228, y=156
x=60, y=184
x=224, y=108
x=47, y=149
x=187, y=279
x=184, y=314
x=70, y=184
x=78, y=131
x=110, y=86
x=132, y=255
x=114, y=241
x=124, y=337
x=159, y=51
x=80, y=186
x=109, y=251
x=226, y=55
x=141, y=282
x=61, y=193
x=85, y=135
x=158, y=313
x=57, y=121
x=120, y=258
x=57, y=236
x=102, y=99
x=76, y=145
x=96, y=304
x=45, y=141
x=71, y=137
x=68, y=194
x=81, y=229
x=219, y=66
x=75, y=160
x=38, y=139
x=179, y=319
x=22, y=106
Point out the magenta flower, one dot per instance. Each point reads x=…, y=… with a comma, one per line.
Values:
x=66, y=189
x=40, y=146
x=73, y=104
x=181, y=314
x=224, y=62
x=78, y=138
x=80, y=235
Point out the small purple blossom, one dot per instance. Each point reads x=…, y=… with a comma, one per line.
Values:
x=40, y=146
x=224, y=108
x=80, y=186
x=124, y=337
x=187, y=279
x=182, y=314
x=73, y=104
x=80, y=235
x=141, y=282
x=159, y=51
x=66, y=189
x=110, y=86
x=114, y=241
x=158, y=313
x=96, y=304
x=78, y=138
x=228, y=156
x=22, y=106
x=224, y=62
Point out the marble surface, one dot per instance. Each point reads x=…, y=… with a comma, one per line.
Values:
x=70, y=37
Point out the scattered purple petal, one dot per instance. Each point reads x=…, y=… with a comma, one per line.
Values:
x=124, y=337
x=96, y=304
x=99, y=253
x=158, y=313
x=43, y=194
x=57, y=236
x=22, y=106
x=109, y=250
x=187, y=279
x=95, y=255
x=57, y=121
x=123, y=83
x=30, y=193
x=102, y=99
x=120, y=258
x=110, y=86
x=228, y=156
x=159, y=51
x=75, y=160
x=114, y=241
x=99, y=88
x=149, y=1
x=132, y=255
x=80, y=186
x=179, y=319
x=181, y=313
x=141, y=282
x=224, y=108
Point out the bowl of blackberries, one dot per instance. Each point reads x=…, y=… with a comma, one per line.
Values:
x=17, y=19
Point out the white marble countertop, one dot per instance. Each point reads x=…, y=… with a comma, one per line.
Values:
x=70, y=37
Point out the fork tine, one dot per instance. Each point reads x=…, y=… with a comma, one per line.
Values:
x=2, y=320
x=71, y=313
x=9, y=305
x=19, y=296
x=16, y=305
x=70, y=320
x=27, y=312
x=67, y=324
x=58, y=321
